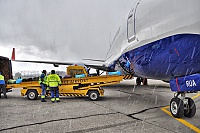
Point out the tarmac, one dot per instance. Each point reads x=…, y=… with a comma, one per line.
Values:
x=125, y=108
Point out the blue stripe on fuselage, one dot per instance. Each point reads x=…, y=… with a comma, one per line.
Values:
x=173, y=56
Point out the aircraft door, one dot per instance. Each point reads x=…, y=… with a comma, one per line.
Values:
x=131, y=26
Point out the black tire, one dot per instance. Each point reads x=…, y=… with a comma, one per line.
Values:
x=93, y=95
x=177, y=107
x=138, y=81
x=32, y=94
x=145, y=81
x=190, y=108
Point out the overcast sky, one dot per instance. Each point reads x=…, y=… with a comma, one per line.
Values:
x=59, y=30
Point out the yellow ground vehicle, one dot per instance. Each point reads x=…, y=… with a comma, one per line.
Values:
x=85, y=86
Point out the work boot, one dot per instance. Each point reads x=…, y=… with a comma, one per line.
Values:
x=52, y=100
x=43, y=100
x=6, y=97
x=58, y=101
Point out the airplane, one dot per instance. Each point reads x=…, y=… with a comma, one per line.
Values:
x=159, y=39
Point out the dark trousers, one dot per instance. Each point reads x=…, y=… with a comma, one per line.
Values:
x=3, y=89
x=43, y=86
x=54, y=91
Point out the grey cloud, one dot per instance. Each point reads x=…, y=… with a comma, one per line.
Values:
x=61, y=29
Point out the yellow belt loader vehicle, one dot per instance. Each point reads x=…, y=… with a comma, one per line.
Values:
x=79, y=84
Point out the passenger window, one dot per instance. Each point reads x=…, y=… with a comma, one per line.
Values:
x=131, y=26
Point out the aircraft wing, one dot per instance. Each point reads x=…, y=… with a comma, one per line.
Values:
x=56, y=64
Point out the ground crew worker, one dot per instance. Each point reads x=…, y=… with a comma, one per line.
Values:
x=53, y=81
x=2, y=86
x=43, y=84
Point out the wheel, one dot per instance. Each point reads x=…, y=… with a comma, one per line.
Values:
x=138, y=81
x=189, y=108
x=32, y=94
x=145, y=81
x=177, y=107
x=94, y=95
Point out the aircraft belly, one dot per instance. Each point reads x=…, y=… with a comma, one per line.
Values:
x=173, y=56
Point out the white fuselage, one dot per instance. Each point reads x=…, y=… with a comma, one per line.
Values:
x=153, y=20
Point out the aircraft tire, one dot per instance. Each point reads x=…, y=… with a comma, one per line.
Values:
x=138, y=81
x=145, y=81
x=177, y=107
x=190, y=110
x=32, y=94
x=93, y=95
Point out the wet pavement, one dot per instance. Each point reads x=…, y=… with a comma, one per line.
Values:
x=125, y=108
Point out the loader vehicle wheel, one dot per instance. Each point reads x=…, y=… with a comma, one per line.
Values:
x=189, y=108
x=32, y=94
x=177, y=107
x=93, y=95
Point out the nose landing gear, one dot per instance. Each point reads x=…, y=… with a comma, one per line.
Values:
x=182, y=106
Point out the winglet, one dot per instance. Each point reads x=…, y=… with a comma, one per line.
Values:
x=13, y=54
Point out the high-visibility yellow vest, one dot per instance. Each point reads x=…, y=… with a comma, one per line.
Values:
x=53, y=80
x=2, y=81
x=43, y=79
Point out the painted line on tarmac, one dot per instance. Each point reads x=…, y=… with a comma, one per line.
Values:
x=194, y=97
x=194, y=128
